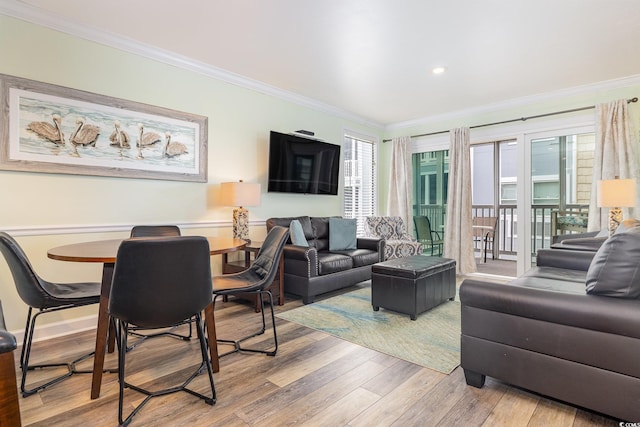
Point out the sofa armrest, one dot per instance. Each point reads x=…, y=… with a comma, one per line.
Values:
x=371, y=243
x=300, y=260
x=580, y=244
x=617, y=316
x=563, y=237
x=563, y=258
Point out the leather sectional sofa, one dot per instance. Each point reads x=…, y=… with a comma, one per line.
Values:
x=569, y=328
x=314, y=269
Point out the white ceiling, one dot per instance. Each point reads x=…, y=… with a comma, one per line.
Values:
x=372, y=58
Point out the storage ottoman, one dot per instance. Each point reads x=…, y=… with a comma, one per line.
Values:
x=413, y=285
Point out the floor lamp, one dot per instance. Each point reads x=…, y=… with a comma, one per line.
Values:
x=240, y=194
x=615, y=194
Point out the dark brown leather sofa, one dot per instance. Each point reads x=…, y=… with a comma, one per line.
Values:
x=314, y=270
x=568, y=328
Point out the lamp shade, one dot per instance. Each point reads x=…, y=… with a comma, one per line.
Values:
x=240, y=193
x=617, y=193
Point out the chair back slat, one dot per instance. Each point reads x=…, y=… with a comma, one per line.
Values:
x=486, y=221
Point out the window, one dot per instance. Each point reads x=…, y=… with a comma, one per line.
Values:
x=431, y=179
x=359, y=179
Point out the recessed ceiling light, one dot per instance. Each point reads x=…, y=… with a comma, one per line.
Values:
x=439, y=70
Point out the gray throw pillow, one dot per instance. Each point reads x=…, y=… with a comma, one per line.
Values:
x=297, y=233
x=627, y=225
x=342, y=234
x=615, y=268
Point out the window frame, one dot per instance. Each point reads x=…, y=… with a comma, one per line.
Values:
x=359, y=212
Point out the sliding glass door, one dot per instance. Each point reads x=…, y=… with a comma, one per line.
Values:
x=560, y=175
x=494, y=201
x=431, y=176
x=526, y=183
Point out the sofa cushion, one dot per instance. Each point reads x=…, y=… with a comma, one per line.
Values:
x=329, y=262
x=297, y=233
x=550, y=284
x=361, y=257
x=615, y=269
x=320, y=227
x=556, y=273
x=342, y=234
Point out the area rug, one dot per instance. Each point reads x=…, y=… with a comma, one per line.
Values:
x=432, y=340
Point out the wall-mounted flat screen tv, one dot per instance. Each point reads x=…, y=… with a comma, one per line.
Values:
x=302, y=165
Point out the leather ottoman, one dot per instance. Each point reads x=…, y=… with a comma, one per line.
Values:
x=413, y=285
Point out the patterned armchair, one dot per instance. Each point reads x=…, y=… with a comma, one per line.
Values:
x=391, y=229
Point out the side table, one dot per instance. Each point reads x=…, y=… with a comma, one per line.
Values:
x=276, y=287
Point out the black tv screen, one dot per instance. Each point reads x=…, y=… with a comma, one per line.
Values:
x=302, y=165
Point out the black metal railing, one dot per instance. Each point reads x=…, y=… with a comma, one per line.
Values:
x=506, y=232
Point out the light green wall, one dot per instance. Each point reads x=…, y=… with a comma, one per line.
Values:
x=239, y=121
x=537, y=105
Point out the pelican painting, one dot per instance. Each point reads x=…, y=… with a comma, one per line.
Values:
x=48, y=131
x=85, y=135
x=147, y=138
x=172, y=149
x=118, y=137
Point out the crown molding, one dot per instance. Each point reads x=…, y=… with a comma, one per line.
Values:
x=19, y=10
x=520, y=102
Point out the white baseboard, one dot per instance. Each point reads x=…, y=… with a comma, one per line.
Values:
x=58, y=329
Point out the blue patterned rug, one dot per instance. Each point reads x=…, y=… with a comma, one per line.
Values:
x=432, y=341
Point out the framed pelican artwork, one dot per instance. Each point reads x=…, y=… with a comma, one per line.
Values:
x=55, y=129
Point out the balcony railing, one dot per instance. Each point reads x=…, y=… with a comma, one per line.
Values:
x=506, y=233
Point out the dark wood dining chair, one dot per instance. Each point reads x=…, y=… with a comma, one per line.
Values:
x=255, y=280
x=158, y=283
x=43, y=297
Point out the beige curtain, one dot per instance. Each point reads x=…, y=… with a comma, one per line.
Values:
x=401, y=182
x=458, y=236
x=615, y=155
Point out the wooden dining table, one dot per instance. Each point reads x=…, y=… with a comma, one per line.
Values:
x=105, y=251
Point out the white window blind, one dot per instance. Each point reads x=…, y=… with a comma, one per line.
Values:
x=359, y=179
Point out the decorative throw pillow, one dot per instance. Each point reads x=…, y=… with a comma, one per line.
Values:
x=615, y=268
x=342, y=234
x=297, y=233
x=627, y=224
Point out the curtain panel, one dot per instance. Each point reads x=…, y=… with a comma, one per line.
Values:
x=616, y=155
x=401, y=182
x=458, y=236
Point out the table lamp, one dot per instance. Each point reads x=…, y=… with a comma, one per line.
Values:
x=240, y=194
x=616, y=194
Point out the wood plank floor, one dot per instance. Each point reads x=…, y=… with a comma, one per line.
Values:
x=315, y=380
